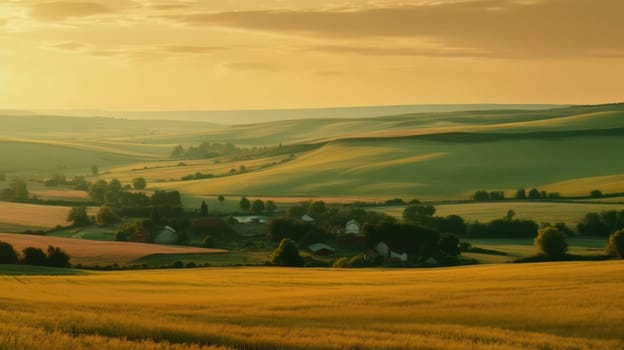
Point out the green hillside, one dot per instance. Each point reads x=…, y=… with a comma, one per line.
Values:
x=427, y=155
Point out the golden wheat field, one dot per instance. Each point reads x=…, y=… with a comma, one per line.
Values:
x=90, y=252
x=537, y=306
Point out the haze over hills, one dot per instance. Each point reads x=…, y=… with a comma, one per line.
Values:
x=252, y=116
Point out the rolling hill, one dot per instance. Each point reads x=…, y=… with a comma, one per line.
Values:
x=571, y=150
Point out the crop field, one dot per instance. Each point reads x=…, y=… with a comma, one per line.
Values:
x=31, y=216
x=537, y=306
x=571, y=213
x=91, y=252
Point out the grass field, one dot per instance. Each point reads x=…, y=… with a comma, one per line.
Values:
x=426, y=155
x=428, y=169
x=91, y=252
x=536, y=306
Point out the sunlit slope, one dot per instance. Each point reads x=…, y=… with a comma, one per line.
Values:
x=505, y=306
x=417, y=167
x=34, y=157
x=497, y=121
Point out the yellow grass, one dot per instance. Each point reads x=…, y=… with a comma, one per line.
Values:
x=32, y=216
x=168, y=170
x=60, y=194
x=91, y=253
x=570, y=213
x=496, y=307
x=583, y=186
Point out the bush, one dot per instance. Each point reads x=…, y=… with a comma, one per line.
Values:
x=551, y=242
x=615, y=246
x=7, y=254
x=341, y=263
x=287, y=254
x=33, y=256
x=139, y=183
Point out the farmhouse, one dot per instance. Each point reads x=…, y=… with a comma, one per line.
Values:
x=307, y=218
x=166, y=236
x=390, y=251
x=352, y=227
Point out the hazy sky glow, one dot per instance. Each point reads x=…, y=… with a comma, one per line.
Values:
x=239, y=54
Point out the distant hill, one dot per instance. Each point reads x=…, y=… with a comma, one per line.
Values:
x=233, y=117
x=572, y=150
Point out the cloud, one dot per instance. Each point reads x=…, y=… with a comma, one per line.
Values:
x=504, y=28
x=137, y=52
x=61, y=10
x=399, y=50
x=69, y=46
x=251, y=66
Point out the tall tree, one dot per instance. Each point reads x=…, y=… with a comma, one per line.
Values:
x=203, y=209
x=244, y=204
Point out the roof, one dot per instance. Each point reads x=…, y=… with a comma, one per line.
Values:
x=307, y=217
x=318, y=246
x=352, y=221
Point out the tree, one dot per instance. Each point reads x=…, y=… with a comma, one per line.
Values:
x=221, y=199
x=595, y=194
x=115, y=185
x=287, y=254
x=418, y=212
x=33, y=256
x=8, y=255
x=139, y=183
x=615, y=246
x=78, y=216
x=94, y=170
x=551, y=242
x=57, y=258
x=510, y=215
x=244, y=204
x=449, y=244
x=521, y=193
x=316, y=209
x=534, y=193
x=97, y=191
x=481, y=196
x=257, y=206
x=203, y=209
x=105, y=216
x=19, y=190
x=271, y=207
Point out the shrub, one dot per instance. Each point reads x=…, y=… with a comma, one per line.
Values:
x=33, y=256
x=287, y=254
x=341, y=262
x=7, y=253
x=139, y=183
x=615, y=246
x=551, y=242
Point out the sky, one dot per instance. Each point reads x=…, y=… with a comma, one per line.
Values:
x=262, y=54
